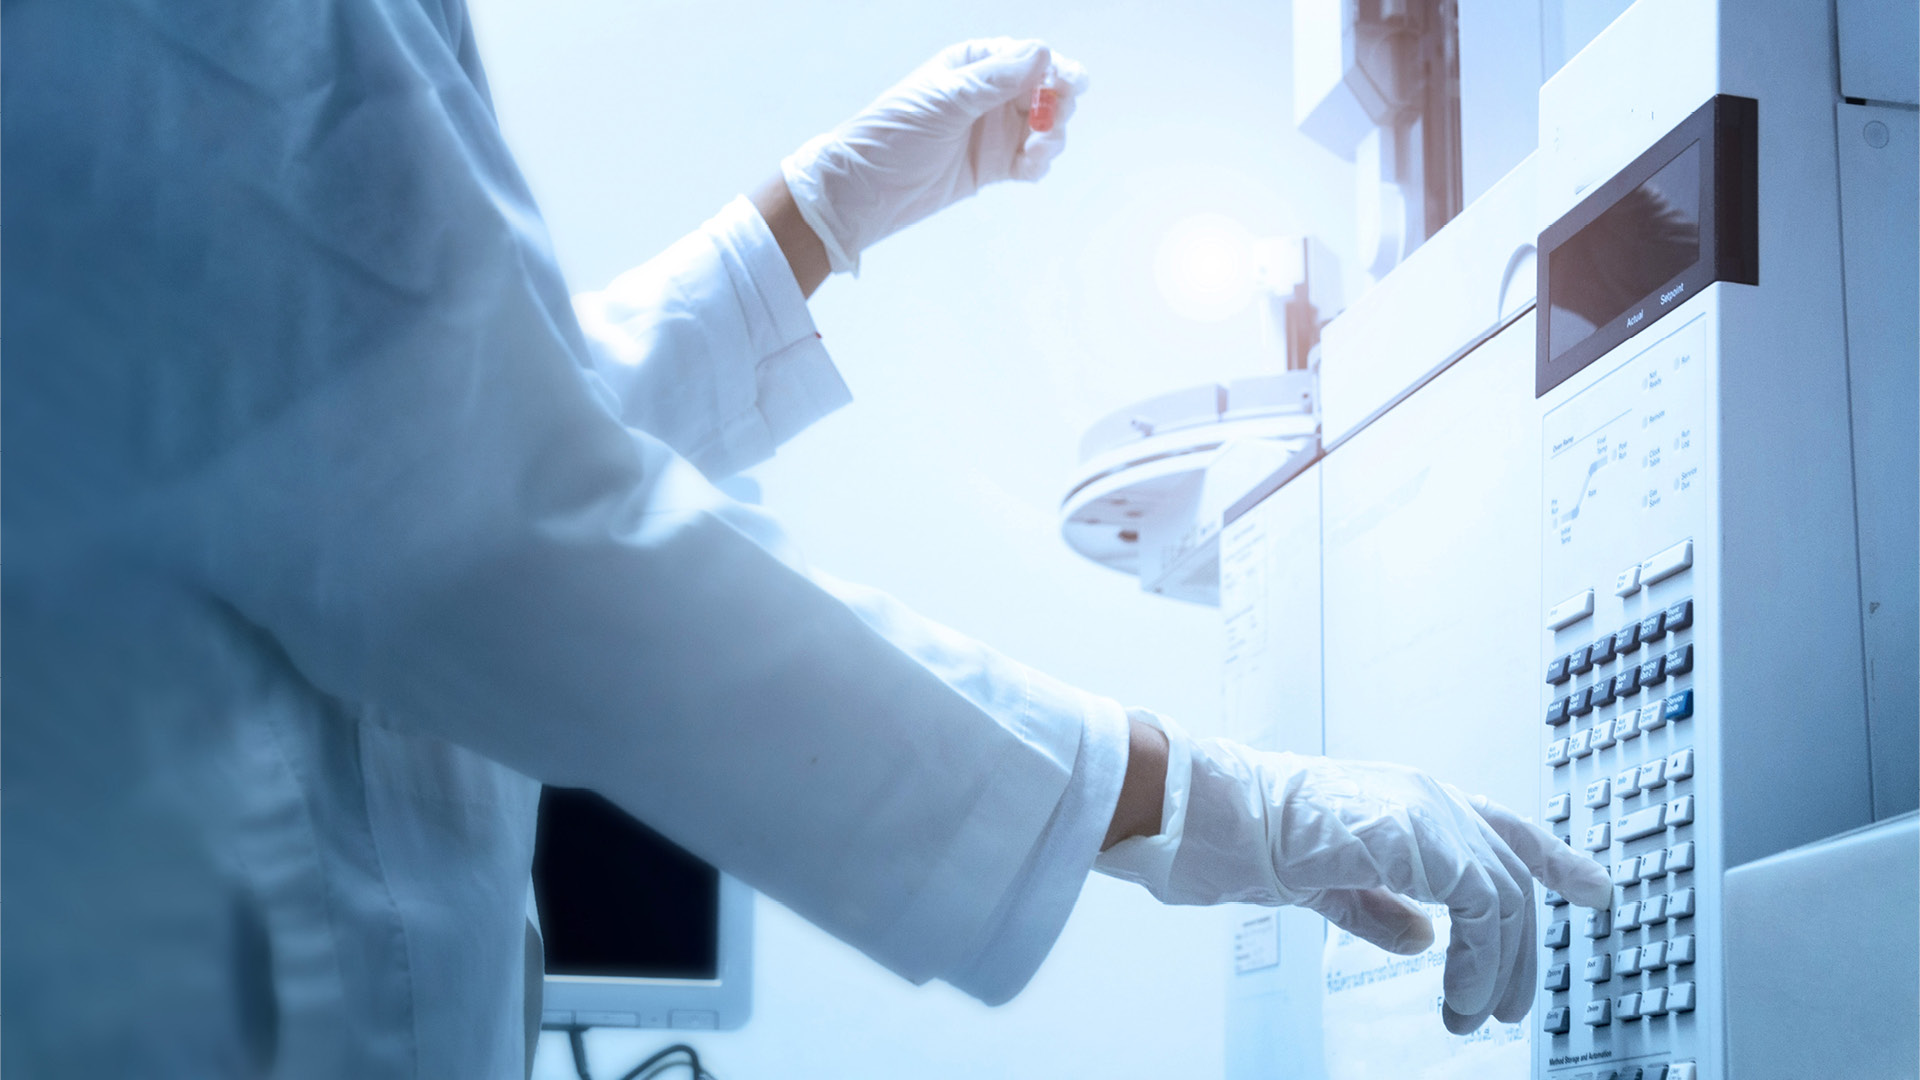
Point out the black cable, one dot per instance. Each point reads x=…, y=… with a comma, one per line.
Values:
x=655, y=1065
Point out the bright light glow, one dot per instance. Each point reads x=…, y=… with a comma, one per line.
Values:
x=1206, y=267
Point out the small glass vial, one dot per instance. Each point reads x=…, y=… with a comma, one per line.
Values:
x=1040, y=111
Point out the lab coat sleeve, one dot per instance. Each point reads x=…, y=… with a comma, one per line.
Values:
x=381, y=449
x=709, y=346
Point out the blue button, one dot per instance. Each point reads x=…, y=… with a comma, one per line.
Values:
x=1680, y=705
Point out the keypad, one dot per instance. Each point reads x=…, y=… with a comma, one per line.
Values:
x=1621, y=800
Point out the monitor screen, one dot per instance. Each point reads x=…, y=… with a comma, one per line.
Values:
x=1637, y=245
x=618, y=899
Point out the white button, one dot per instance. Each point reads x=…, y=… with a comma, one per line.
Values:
x=1653, y=716
x=1571, y=610
x=1680, y=857
x=1626, y=872
x=1599, y=968
x=1624, y=728
x=1680, y=811
x=1602, y=735
x=1599, y=837
x=1667, y=563
x=1652, y=865
x=1626, y=783
x=1627, y=582
x=1560, y=807
x=1653, y=910
x=1597, y=792
x=1644, y=822
x=1627, y=961
x=1653, y=956
x=1680, y=764
x=1626, y=917
x=1680, y=950
x=1682, y=1070
x=1680, y=904
x=1627, y=1006
x=1598, y=1014
x=1557, y=752
x=1653, y=774
x=1577, y=743
x=1680, y=997
x=1599, y=924
x=1653, y=1001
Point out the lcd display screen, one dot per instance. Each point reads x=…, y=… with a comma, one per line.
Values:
x=1630, y=251
x=618, y=899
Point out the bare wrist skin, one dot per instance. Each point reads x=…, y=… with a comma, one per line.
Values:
x=1145, y=788
x=806, y=255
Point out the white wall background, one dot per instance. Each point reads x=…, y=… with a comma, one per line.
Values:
x=978, y=345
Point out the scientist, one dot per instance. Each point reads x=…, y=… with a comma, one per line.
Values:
x=333, y=528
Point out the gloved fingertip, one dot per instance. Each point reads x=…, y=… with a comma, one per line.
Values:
x=1461, y=1023
x=1416, y=938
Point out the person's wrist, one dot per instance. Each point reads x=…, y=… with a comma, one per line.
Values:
x=806, y=255
x=1144, y=788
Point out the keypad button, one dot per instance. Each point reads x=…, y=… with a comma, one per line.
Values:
x=1557, y=752
x=1679, y=661
x=1580, y=661
x=1653, y=628
x=1652, y=672
x=1665, y=564
x=1680, y=811
x=1680, y=764
x=1627, y=582
x=1680, y=857
x=1653, y=716
x=1680, y=950
x=1560, y=807
x=1680, y=904
x=1626, y=872
x=1627, y=683
x=1652, y=865
x=1557, y=672
x=1653, y=956
x=1582, y=703
x=1653, y=1001
x=1626, y=917
x=1559, y=935
x=1682, y=1070
x=1598, y=925
x=1680, y=997
x=1558, y=1020
x=1680, y=705
x=1571, y=610
x=1653, y=774
x=1601, y=651
x=1554, y=899
x=1599, y=1014
x=1603, y=693
x=1602, y=735
x=1580, y=743
x=1653, y=911
x=1627, y=961
x=1626, y=784
x=1599, y=968
x=1599, y=837
x=1679, y=616
x=1626, y=639
x=1557, y=712
x=1599, y=792
x=1627, y=1006
x=1643, y=822
x=1649, y=1072
x=1558, y=978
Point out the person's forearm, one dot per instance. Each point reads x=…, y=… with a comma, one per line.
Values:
x=798, y=242
x=1145, y=787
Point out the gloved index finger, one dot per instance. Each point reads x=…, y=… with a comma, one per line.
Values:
x=1558, y=866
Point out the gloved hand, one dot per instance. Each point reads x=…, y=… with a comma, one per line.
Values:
x=1357, y=842
x=958, y=122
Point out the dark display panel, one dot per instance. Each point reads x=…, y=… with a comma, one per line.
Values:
x=618, y=899
x=1635, y=247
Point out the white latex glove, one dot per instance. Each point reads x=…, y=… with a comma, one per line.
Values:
x=1356, y=842
x=958, y=122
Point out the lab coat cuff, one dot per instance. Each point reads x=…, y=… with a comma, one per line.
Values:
x=1035, y=908
x=1148, y=860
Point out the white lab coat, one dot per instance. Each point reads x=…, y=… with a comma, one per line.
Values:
x=326, y=542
